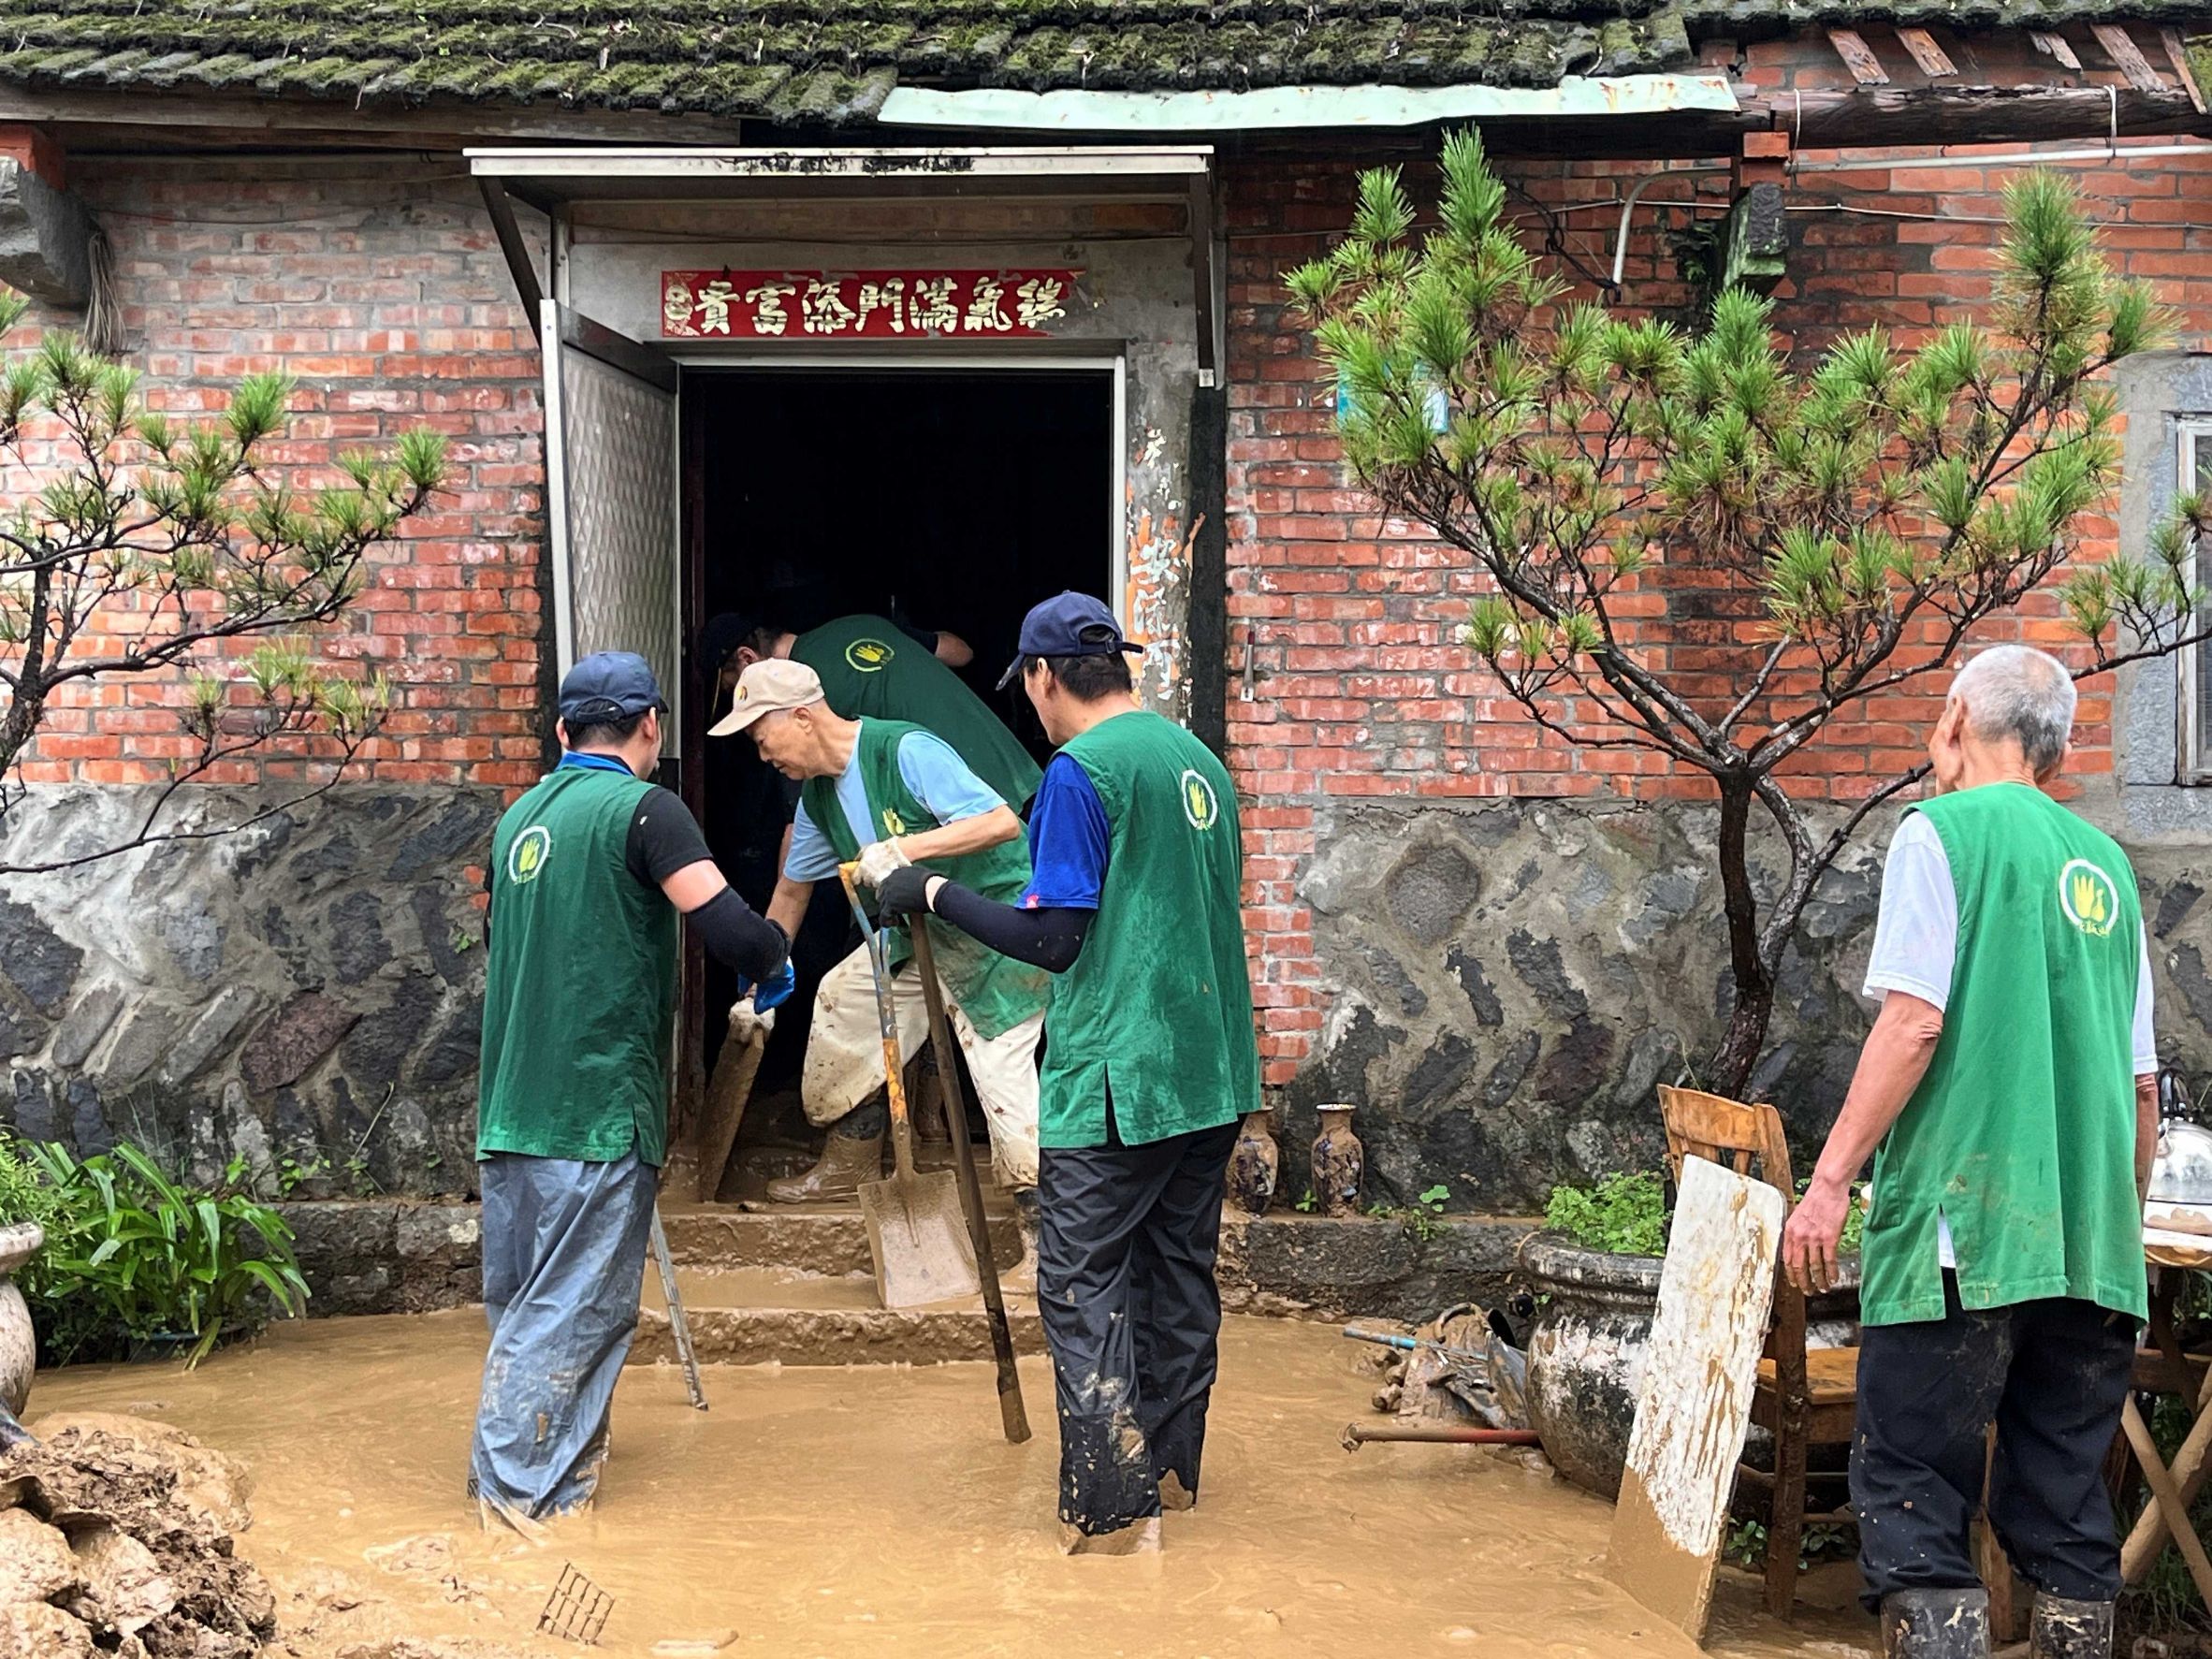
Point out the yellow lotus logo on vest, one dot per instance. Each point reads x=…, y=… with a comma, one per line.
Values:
x=893, y=824
x=870, y=656
x=2087, y=895
x=527, y=857
x=1199, y=803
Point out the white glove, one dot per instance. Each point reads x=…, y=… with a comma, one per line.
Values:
x=878, y=859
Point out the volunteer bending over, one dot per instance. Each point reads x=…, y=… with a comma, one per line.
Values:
x=883, y=793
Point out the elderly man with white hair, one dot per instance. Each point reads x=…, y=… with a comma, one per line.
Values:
x=2008, y=1093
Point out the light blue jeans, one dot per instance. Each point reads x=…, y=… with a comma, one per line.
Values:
x=564, y=1249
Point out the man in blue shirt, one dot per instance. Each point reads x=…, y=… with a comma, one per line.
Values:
x=883, y=794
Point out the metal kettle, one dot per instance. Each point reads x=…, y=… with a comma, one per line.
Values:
x=2182, y=1174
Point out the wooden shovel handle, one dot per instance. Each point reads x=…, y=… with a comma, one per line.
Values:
x=894, y=1082
x=1013, y=1417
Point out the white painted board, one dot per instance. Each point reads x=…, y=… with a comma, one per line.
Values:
x=1715, y=1294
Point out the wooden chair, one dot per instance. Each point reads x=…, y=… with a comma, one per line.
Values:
x=1803, y=1399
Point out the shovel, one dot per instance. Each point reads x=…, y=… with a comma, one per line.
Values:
x=1010, y=1414
x=916, y=1231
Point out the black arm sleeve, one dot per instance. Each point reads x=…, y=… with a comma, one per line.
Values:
x=1050, y=940
x=739, y=935
x=925, y=637
x=665, y=838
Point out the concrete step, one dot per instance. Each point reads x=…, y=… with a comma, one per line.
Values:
x=828, y=1241
x=753, y=1314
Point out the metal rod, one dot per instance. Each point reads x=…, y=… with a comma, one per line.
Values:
x=514, y=250
x=1966, y=157
x=1408, y=1344
x=1635, y=194
x=1359, y=1435
x=676, y=1323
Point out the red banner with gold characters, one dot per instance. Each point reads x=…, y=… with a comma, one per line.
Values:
x=863, y=304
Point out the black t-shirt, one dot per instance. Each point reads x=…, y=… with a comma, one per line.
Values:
x=665, y=837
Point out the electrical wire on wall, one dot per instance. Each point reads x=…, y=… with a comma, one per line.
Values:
x=103, y=315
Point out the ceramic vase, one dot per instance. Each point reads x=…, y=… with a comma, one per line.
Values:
x=1338, y=1163
x=18, y=1348
x=1254, y=1164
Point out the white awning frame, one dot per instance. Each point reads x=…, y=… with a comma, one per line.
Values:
x=551, y=177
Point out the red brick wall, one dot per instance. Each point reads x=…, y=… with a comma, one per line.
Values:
x=377, y=284
x=1360, y=688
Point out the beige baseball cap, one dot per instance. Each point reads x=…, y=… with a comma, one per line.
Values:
x=765, y=686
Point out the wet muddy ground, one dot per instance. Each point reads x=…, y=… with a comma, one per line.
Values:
x=876, y=1511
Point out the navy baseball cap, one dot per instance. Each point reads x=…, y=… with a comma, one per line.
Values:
x=609, y=686
x=1068, y=625
x=719, y=638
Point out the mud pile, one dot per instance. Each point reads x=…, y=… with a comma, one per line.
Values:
x=115, y=1538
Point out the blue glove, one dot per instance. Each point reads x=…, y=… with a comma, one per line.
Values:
x=775, y=991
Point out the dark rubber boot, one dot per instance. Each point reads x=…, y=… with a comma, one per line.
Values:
x=846, y=1161
x=1020, y=1278
x=2063, y=1629
x=1935, y=1624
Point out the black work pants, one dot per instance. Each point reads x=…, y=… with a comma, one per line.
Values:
x=1127, y=1241
x=2052, y=1375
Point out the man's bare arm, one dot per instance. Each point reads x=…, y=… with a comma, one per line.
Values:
x=2147, y=1131
x=787, y=905
x=963, y=835
x=1890, y=1067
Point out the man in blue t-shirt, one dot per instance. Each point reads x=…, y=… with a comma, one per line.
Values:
x=997, y=1008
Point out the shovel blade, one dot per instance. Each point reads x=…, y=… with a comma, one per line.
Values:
x=919, y=1239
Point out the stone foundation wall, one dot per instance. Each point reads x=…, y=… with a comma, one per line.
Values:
x=1505, y=983
x=303, y=996
x=380, y=1256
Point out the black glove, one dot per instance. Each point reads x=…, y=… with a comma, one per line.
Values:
x=904, y=893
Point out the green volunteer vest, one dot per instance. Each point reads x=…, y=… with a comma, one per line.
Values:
x=1158, y=1008
x=994, y=992
x=871, y=671
x=579, y=981
x=2022, y=1134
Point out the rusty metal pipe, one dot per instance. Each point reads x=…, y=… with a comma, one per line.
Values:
x=1358, y=1434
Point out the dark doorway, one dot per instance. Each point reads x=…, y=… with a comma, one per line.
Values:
x=950, y=500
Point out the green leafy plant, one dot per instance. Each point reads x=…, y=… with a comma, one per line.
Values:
x=1306, y=1203
x=1627, y=1214
x=1423, y=1219
x=1623, y=1214
x=292, y=1174
x=133, y=1255
x=23, y=1196
x=1746, y=1544
x=1826, y=532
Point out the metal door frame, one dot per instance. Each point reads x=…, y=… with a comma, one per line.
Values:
x=568, y=330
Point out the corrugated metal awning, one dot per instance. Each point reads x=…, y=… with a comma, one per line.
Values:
x=1280, y=108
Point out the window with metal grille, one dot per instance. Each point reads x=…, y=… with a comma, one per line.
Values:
x=2193, y=472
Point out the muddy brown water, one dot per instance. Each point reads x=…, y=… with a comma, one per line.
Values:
x=878, y=1511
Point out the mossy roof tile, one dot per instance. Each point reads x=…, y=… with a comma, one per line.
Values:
x=836, y=61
